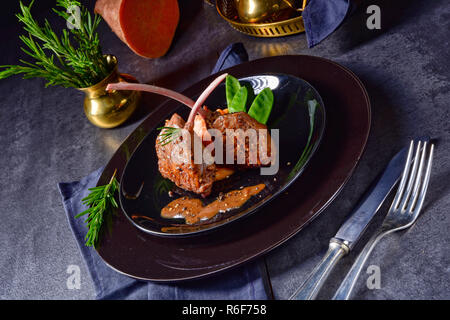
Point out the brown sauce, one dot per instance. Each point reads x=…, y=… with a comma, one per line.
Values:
x=193, y=211
x=223, y=173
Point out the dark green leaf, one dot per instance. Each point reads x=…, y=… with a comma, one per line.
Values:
x=239, y=101
x=262, y=106
x=312, y=106
x=232, y=87
x=250, y=95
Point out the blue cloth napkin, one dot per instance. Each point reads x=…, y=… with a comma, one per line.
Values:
x=322, y=17
x=242, y=283
x=232, y=55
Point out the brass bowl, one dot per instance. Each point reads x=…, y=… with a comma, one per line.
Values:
x=110, y=109
x=274, y=26
x=260, y=10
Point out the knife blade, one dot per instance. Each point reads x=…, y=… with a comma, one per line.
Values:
x=355, y=225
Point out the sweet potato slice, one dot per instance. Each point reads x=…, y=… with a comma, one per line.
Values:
x=146, y=26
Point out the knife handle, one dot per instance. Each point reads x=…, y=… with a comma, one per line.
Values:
x=310, y=288
x=345, y=289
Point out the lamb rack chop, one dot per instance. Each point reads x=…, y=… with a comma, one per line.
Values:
x=240, y=123
x=187, y=175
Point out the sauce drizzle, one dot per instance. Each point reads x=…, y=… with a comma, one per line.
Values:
x=193, y=211
x=223, y=173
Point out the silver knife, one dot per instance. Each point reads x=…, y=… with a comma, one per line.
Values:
x=350, y=232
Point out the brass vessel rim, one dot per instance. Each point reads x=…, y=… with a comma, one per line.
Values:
x=106, y=80
x=268, y=24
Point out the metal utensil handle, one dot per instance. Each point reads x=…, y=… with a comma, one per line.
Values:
x=345, y=289
x=309, y=290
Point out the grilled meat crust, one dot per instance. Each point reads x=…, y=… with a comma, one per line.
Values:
x=199, y=178
x=187, y=175
x=241, y=120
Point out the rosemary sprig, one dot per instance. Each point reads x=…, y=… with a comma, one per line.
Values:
x=101, y=202
x=168, y=134
x=73, y=59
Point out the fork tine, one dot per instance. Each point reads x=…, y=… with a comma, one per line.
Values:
x=405, y=174
x=426, y=181
x=418, y=180
x=412, y=178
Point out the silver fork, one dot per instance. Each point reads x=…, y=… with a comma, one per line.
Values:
x=403, y=212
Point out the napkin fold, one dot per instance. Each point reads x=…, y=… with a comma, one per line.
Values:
x=246, y=282
x=322, y=17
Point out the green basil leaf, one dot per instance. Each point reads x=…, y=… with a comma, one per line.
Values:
x=262, y=106
x=239, y=100
x=232, y=87
x=250, y=95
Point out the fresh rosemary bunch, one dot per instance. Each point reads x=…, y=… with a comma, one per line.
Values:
x=72, y=59
x=101, y=202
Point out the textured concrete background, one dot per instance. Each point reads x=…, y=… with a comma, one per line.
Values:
x=47, y=139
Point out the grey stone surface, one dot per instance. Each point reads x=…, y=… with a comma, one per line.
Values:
x=47, y=139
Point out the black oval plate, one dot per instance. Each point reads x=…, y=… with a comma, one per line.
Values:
x=144, y=192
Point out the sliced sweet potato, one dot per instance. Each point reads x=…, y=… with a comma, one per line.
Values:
x=146, y=26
